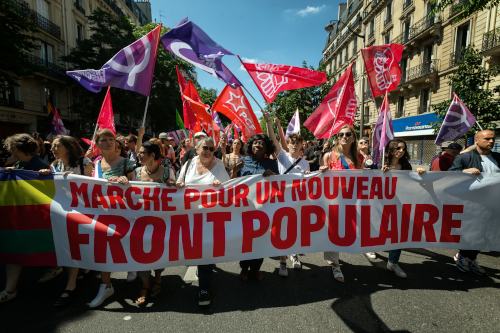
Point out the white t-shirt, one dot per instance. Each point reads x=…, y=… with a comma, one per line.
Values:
x=285, y=160
x=489, y=164
x=218, y=172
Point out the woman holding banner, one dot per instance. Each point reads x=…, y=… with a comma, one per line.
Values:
x=343, y=156
x=397, y=158
x=151, y=170
x=203, y=169
x=115, y=168
x=257, y=162
x=23, y=149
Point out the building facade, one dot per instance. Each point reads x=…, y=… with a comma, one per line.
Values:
x=434, y=46
x=61, y=24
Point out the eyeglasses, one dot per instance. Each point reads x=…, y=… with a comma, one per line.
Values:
x=207, y=148
x=345, y=134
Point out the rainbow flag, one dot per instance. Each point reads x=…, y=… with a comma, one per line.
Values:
x=25, y=228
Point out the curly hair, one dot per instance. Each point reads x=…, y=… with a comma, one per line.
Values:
x=269, y=147
x=22, y=142
x=391, y=147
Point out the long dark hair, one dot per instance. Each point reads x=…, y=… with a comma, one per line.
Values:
x=75, y=151
x=268, y=144
x=389, y=154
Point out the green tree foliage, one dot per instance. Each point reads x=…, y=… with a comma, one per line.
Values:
x=207, y=95
x=306, y=100
x=465, y=7
x=109, y=34
x=469, y=83
x=17, y=27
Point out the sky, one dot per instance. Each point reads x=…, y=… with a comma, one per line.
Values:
x=264, y=31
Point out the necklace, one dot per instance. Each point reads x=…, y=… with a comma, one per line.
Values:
x=150, y=172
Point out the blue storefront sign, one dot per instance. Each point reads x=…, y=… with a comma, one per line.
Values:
x=415, y=125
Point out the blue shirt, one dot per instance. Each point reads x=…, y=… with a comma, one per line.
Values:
x=254, y=167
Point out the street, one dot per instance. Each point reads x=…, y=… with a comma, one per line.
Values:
x=436, y=297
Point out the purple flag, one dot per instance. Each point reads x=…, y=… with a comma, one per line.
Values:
x=57, y=124
x=383, y=131
x=294, y=124
x=215, y=117
x=457, y=121
x=188, y=42
x=130, y=69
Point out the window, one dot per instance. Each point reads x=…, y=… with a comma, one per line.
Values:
x=366, y=115
x=355, y=45
x=427, y=54
x=372, y=27
x=424, y=100
x=46, y=53
x=462, y=40
x=401, y=107
x=404, y=65
x=406, y=31
x=387, y=37
x=42, y=7
x=79, y=32
x=388, y=12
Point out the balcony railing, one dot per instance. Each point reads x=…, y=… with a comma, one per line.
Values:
x=422, y=25
x=79, y=7
x=401, y=39
x=491, y=39
x=424, y=69
x=371, y=8
x=41, y=21
x=407, y=4
x=44, y=64
x=12, y=103
x=456, y=58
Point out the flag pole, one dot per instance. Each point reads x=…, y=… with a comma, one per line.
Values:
x=248, y=92
x=479, y=125
x=152, y=74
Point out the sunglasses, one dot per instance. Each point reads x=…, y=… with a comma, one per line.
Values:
x=345, y=134
x=400, y=148
x=207, y=148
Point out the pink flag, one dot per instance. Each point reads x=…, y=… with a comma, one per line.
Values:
x=106, y=117
x=383, y=131
x=337, y=108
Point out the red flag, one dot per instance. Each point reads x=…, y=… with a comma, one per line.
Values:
x=106, y=117
x=382, y=67
x=233, y=103
x=189, y=118
x=337, y=108
x=197, y=110
x=272, y=79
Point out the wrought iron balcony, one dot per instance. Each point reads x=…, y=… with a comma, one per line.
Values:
x=456, y=58
x=407, y=4
x=491, y=40
x=12, y=103
x=419, y=27
x=46, y=65
x=371, y=8
x=424, y=69
x=79, y=7
x=401, y=39
x=41, y=21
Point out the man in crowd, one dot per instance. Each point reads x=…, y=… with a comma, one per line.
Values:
x=131, y=145
x=192, y=152
x=444, y=161
x=477, y=161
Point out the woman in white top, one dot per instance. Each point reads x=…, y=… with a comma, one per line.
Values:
x=203, y=169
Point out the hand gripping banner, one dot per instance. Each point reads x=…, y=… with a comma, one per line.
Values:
x=83, y=222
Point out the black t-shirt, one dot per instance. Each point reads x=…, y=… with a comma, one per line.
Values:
x=35, y=164
x=188, y=155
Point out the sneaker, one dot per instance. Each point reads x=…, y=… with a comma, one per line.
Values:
x=475, y=268
x=371, y=255
x=283, y=271
x=396, y=269
x=104, y=293
x=296, y=264
x=204, y=298
x=50, y=274
x=337, y=273
x=456, y=257
x=6, y=296
x=131, y=276
x=463, y=264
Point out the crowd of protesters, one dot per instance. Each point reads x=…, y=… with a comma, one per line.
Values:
x=199, y=160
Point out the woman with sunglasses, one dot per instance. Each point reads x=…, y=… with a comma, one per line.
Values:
x=343, y=156
x=397, y=158
x=151, y=170
x=203, y=169
x=113, y=167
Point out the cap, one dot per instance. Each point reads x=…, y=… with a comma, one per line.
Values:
x=454, y=146
x=163, y=135
x=199, y=134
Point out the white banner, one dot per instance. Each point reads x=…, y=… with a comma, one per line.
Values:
x=141, y=226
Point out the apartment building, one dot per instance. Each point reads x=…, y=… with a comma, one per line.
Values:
x=61, y=24
x=434, y=45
